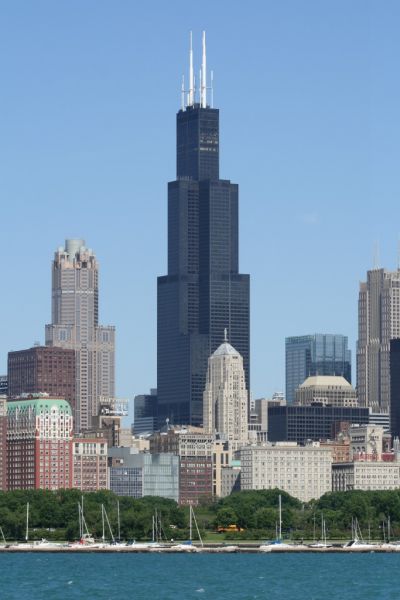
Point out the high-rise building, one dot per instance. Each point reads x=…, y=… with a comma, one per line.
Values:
x=45, y=369
x=324, y=390
x=39, y=443
x=378, y=323
x=225, y=400
x=145, y=413
x=203, y=292
x=294, y=423
x=395, y=387
x=75, y=325
x=316, y=354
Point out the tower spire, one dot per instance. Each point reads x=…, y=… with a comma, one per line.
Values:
x=191, y=73
x=203, y=94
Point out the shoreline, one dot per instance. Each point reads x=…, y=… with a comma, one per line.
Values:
x=194, y=549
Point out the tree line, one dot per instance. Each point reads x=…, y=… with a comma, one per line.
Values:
x=55, y=515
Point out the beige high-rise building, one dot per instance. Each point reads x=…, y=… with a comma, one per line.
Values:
x=75, y=324
x=225, y=399
x=378, y=323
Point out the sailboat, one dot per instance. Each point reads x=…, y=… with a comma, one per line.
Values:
x=323, y=543
x=85, y=538
x=357, y=542
x=188, y=546
x=278, y=543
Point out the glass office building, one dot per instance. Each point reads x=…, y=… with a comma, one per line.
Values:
x=142, y=474
x=203, y=292
x=317, y=354
x=302, y=423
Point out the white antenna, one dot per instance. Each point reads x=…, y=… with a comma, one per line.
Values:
x=203, y=92
x=191, y=75
x=376, y=255
x=200, y=80
x=183, y=93
x=212, y=89
x=398, y=254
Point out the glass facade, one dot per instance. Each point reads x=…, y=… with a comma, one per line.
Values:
x=302, y=423
x=142, y=474
x=203, y=293
x=317, y=354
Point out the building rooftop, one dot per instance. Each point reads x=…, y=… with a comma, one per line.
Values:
x=226, y=349
x=38, y=404
x=325, y=381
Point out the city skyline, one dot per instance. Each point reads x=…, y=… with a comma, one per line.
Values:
x=281, y=224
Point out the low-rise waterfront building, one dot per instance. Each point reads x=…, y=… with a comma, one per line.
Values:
x=90, y=463
x=195, y=450
x=230, y=478
x=302, y=471
x=139, y=474
x=370, y=475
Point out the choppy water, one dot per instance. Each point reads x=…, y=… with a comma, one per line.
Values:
x=199, y=577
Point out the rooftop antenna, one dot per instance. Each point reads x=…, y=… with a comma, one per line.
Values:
x=191, y=75
x=225, y=335
x=398, y=254
x=203, y=92
x=183, y=93
x=212, y=89
x=376, y=255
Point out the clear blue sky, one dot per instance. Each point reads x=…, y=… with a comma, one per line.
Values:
x=309, y=95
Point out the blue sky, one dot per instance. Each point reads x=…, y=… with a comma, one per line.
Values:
x=309, y=95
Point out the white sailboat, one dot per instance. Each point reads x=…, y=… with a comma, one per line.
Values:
x=278, y=543
x=189, y=546
x=357, y=542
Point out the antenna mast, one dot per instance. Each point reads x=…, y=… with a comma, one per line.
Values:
x=191, y=74
x=203, y=93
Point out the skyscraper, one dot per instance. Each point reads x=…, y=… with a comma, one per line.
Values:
x=225, y=397
x=203, y=292
x=316, y=354
x=378, y=323
x=48, y=369
x=395, y=387
x=75, y=317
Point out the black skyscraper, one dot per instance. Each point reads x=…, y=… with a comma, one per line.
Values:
x=395, y=387
x=203, y=292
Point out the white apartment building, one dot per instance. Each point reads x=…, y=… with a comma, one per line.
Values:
x=365, y=476
x=302, y=471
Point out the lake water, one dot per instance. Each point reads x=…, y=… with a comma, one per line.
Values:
x=199, y=577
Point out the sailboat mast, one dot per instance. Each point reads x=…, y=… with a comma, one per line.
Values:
x=190, y=523
x=27, y=522
x=280, y=517
x=102, y=522
x=119, y=524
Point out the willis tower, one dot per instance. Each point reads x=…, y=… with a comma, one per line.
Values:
x=203, y=293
